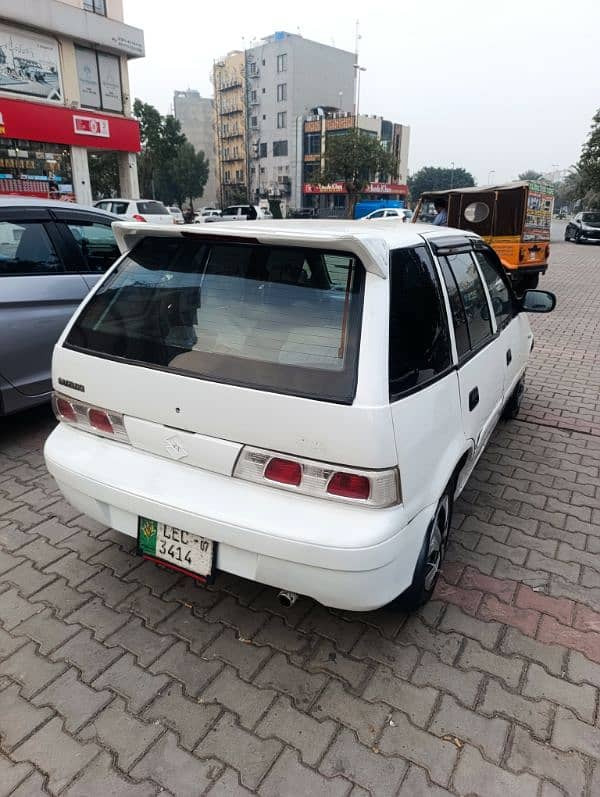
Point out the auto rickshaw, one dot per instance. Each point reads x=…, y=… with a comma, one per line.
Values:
x=514, y=219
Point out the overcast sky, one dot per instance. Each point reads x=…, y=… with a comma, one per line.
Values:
x=503, y=86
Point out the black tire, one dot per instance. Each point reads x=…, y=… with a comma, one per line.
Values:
x=567, y=234
x=429, y=563
x=513, y=405
x=577, y=238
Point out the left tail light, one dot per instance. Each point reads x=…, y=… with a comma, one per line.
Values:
x=89, y=418
x=137, y=217
x=374, y=488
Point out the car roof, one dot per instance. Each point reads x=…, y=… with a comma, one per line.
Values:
x=372, y=242
x=8, y=201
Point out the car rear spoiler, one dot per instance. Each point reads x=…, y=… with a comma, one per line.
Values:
x=373, y=251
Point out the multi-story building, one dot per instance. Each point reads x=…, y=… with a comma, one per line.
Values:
x=286, y=76
x=231, y=144
x=196, y=115
x=64, y=91
x=324, y=123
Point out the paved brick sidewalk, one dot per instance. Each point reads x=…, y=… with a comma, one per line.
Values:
x=119, y=678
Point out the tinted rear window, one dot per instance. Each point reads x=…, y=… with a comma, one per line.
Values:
x=284, y=319
x=152, y=208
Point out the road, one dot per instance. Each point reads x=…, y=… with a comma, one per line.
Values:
x=120, y=678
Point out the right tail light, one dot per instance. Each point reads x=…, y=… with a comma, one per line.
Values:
x=374, y=488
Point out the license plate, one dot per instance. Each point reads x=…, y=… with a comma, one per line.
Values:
x=175, y=548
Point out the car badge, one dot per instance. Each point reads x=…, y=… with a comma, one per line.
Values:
x=174, y=448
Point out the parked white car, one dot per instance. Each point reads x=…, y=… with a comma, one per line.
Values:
x=207, y=215
x=177, y=214
x=389, y=213
x=137, y=210
x=246, y=213
x=297, y=404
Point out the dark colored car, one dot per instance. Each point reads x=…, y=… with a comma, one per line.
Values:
x=51, y=254
x=584, y=227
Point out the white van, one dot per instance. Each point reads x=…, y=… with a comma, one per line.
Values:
x=298, y=404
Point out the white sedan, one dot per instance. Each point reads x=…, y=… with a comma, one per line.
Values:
x=389, y=213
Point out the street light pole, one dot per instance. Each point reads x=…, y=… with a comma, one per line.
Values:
x=358, y=69
x=489, y=180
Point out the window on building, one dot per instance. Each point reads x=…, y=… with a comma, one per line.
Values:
x=280, y=148
x=262, y=169
x=252, y=67
x=281, y=92
x=264, y=116
x=312, y=143
x=263, y=151
x=263, y=62
x=419, y=347
x=227, y=176
x=253, y=96
x=225, y=129
x=264, y=91
x=95, y=6
x=99, y=76
x=254, y=121
x=282, y=119
x=282, y=62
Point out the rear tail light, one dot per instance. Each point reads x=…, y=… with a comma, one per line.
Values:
x=375, y=488
x=137, y=217
x=88, y=418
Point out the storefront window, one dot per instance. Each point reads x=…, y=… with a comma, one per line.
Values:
x=99, y=80
x=32, y=168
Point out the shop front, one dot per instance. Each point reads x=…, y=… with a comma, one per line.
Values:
x=44, y=149
x=331, y=199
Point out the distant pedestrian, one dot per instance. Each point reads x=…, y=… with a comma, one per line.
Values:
x=441, y=209
x=189, y=215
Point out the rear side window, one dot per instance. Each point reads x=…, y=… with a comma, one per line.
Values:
x=96, y=243
x=152, y=208
x=497, y=284
x=120, y=208
x=25, y=248
x=419, y=348
x=462, y=278
x=284, y=319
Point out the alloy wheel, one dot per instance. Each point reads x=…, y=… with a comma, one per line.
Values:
x=437, y=542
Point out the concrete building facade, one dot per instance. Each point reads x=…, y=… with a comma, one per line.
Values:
x=286, y=76
x=231, y=143
x=64, y=91
x=197, y=117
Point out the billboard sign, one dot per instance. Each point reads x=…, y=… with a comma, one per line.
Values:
x=29, y=64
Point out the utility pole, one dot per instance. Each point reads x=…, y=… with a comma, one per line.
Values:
x=452, y=175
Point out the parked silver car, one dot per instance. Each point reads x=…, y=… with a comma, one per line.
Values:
x=51, y=254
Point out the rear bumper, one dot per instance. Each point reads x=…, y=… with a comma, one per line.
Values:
x=346, y=557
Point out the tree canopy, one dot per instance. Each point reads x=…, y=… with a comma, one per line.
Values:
x=438, y=178
x=588, y=167
x=356, y=158
x=530, y=174
x=169, y=167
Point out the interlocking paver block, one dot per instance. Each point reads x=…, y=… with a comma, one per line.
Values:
x=145, y=644
x=433, y=672
x=72, y=568
x=30, y=668
x=197, y=632
x=8, y=643
x=86, y=654
x=230, y=612
x=18, y=718
x=190, y=719
x=455, y=620
x=120, y=731
x=60, y=597
x=536, y=714
x=11, y=775
x=454, y=720
x=417, y=784
x=299, y=730
x=244, y=656
x=581, y=698
x=147, y=606
x=244, y=751
x=175, y=769
x=33, y=786
x=475, y=656
x=366, y=718
x=126, y=678
x=26, y=578
x=303, y=687
x=84, y=545
x=552, y=657
x=40, y=552
x=56, y=753
x=14, y=609
x=99, y=779
x=289, y=777
x=474, y=775
x=567, y=769
x=325, y=658
x=111, y=589
x=570, y=733
x=402, y=659
x=322, y=621
x=445, y=646
x=53, y=531
x=407, y=741
x=582, y=670
x=46, y=630
x=246, y=700
x=74, y=700
x=193, y=672
x=120, y=562
x=101, y=620
x=379, y=774
x=228, y=785
x=416, y=701
x=281, y=636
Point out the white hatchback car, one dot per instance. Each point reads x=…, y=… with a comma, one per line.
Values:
x=297, y=404
x=137, y=210
x=388, y=213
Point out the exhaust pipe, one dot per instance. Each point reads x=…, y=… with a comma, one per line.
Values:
x=286, y=598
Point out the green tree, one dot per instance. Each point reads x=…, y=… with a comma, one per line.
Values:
x=530, y=174
x=104, y=174
x=438, y=178
x=185, y=177
x=356, y=158
x=161, y=139
x=589, y=165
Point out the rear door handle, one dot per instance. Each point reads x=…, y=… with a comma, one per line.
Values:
x=473, y=398
x=508, y=357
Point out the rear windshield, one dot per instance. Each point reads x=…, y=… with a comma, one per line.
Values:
x=152, y=208
x=283, y=319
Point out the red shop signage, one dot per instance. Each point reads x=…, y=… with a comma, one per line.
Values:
x=58, y=125
x=339, y=188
